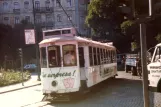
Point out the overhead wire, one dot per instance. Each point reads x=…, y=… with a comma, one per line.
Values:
x=67, y=15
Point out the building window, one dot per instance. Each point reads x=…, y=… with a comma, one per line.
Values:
x=37, y=4
x=69, y=17
x=17, y=20
x=47, y=3
x=38, y=18
x=5, y=5
x=48, y=18
x=69, y=3
x=6, y=20
x=59, y=18
x=16, y=5
x=58, y=3
x=27, y=18
x=26, y=4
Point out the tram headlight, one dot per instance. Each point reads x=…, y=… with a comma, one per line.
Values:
x=54, y=83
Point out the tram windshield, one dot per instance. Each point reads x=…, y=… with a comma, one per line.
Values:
x=54, y=56
x=69, y=55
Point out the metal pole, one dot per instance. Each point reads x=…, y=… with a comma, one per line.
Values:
x=144, y=63
x=21, y=58
x=36, y=45
x=150, y=7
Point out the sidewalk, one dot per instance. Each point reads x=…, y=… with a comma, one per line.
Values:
x=32, y=82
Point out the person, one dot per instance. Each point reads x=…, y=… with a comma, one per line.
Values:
x=69, y=58
x=139, y=67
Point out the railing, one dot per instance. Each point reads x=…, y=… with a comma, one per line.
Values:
x=43, y=9
x=16, y=10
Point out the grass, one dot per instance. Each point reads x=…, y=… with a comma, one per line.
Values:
x=10, y=77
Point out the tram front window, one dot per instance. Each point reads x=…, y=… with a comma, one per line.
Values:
x=54, y=56
x=69, y=55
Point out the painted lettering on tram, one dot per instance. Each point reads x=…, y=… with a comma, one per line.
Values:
x=57, y=75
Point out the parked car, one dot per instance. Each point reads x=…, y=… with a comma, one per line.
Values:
x=30, y=67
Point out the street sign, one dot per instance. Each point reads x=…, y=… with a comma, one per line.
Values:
x=30, y=36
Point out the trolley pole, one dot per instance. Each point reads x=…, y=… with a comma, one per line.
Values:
x=36, y=45
x=144, y=63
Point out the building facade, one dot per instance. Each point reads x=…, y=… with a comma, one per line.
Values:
x=49, y=14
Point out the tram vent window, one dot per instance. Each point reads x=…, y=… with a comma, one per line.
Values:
x=66, y=31
x=52, y=33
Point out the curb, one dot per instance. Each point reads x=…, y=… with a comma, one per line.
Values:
x=20, y=88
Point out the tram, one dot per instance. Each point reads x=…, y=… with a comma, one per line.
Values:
x=72, y=64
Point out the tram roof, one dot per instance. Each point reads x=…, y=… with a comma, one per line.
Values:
x=73, y=38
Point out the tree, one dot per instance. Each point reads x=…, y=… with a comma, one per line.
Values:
x=103, y=16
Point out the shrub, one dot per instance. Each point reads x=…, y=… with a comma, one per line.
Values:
x=9, y=77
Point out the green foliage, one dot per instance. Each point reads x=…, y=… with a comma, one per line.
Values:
x=126, y=24
x=10, y=77
x=134, y=45
x=158, y=38
x=103, y=15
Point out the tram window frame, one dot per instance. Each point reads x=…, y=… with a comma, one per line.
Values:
x=74, y=53
x=43, y=57
x=94, y=56
x=56, y=57
x=98, y=56
x=90, y=55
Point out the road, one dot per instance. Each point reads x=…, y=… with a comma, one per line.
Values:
x=124, y=91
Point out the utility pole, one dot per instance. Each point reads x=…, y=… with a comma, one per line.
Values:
x=144, y=63
x=21, y=58
x=36, y=45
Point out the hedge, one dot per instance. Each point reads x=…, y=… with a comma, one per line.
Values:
x=10, y=77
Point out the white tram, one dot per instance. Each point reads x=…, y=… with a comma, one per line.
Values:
x=70, y=63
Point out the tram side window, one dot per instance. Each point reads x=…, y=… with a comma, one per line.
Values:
x=101, y=56
x=54, y=56
x=111, y=56
x=91, y=56
x=43, y=57
x=104, y=54
x=69, y=55
x=95, y=56
x=114, y=54
x=98, y=56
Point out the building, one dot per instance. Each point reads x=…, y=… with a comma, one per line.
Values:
x=48, y=13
